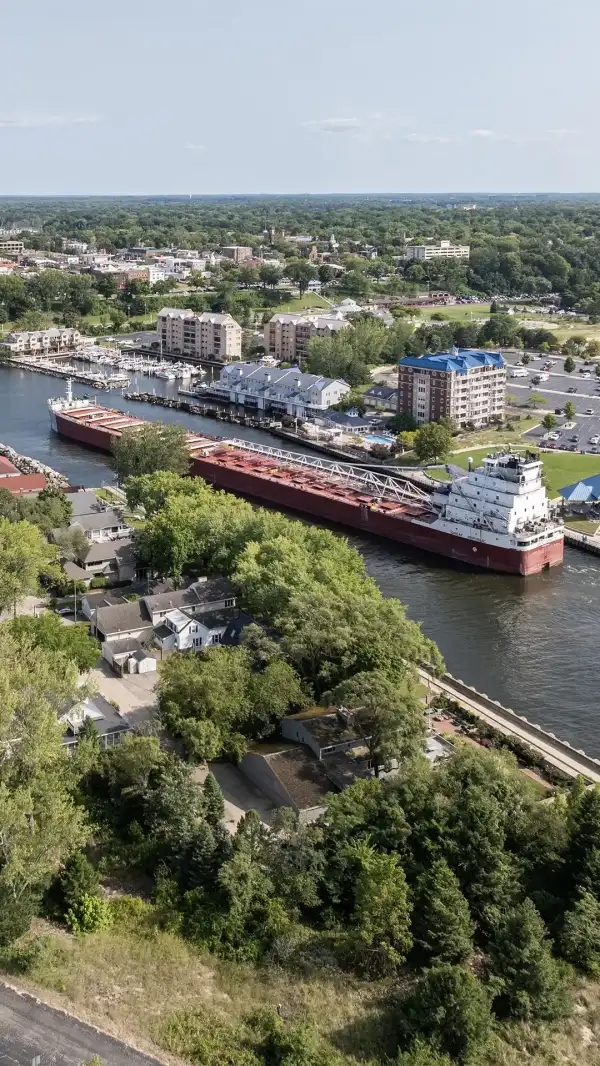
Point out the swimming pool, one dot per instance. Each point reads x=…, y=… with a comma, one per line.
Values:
x=372, y=438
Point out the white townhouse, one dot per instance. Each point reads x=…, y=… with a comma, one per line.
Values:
x=282, y=391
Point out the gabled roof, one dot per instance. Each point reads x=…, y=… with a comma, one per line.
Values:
x=457, y=360
x=101, y=551
x=210, y=590
x=383, y=392
x=343, y=418
x=269, y=377
x=123, y=618
x=98, y=520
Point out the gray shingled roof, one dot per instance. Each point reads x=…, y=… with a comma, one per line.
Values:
x=100, y=520
x=84, y=503
x=123, y=618
x=104, y=550
x=210, y=591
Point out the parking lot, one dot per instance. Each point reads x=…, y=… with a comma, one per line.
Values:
x=583, y=432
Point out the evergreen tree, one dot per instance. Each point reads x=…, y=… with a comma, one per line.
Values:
x=214, y=804
x=382, y=938
x=580, y=936
x=441, y=923
x=582, y=860
x=531, y=980
x=450, y=1009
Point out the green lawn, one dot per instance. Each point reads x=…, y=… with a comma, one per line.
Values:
x=302, y=303
x=560, y=468
x=459, y=313
x=582, y=525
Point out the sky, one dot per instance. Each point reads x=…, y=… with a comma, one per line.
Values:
x=299, y=96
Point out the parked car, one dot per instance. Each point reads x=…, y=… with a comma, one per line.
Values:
x=574, y=439
x=595, y=439
x=590, y=411
x=558, y=410
x=572, y=389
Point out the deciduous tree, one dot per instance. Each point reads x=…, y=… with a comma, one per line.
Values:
x=154, y=446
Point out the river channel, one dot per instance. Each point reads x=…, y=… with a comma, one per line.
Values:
x=531, y=644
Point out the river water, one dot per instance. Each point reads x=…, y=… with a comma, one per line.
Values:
x=531, y=644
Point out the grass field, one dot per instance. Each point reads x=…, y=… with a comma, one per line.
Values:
x=459, y=313
x=132, y=979
x=560, y=468
x=302, y=303
x=582, y=525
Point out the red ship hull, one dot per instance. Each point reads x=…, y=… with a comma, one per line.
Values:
x=410, y=525
x=393, y=526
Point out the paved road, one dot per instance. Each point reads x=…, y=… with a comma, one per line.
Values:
x=29, y=1029
x=558, y=753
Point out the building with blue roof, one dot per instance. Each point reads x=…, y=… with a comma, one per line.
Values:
x=466, y=385
x=586, y=491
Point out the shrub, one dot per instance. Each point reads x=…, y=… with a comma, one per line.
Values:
x=77, y=878
x=88, y=914
x=15, y=915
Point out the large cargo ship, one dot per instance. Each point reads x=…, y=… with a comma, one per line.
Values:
x=496, y=517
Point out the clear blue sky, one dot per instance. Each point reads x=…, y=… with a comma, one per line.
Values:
x=226, y=96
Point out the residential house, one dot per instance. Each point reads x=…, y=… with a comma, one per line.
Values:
x=381, y=397
x=184, y=630
x=280, y=391
x=110, y=724
x=325, y=731
x=204, y=595
x=113, y=559
x=140, y=618
x=101, y=525
x=121, y=621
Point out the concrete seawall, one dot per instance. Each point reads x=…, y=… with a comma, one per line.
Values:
x=559, y=753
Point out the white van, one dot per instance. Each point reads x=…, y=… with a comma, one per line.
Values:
x=519, y=372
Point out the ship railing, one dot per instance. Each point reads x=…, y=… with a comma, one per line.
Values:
x=398, y=490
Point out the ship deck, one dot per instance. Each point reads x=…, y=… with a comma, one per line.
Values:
x=316, y=482
x=115, y=422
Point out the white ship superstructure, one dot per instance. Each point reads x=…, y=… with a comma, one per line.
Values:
x=502, y=503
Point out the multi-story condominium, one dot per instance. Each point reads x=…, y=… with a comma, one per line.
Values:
x=287, y=335
x=42, y=341
x=443, y=250
x=12, y=247
x=285, y=391
x=238, y=252
x=467, y=386
x=206, y=336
